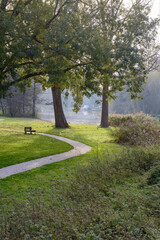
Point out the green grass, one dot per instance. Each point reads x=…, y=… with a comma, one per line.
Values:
x=17, y=147
x=99, y=139
x=88, y=133
x=106, y=199
x=103, y=194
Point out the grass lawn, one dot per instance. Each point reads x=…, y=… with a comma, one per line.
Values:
x=103, y=194
x=17, y=147
x=99, y=139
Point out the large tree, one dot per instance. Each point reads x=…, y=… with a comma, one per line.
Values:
x=123, y=48
x=87, y=47
x=51, y=48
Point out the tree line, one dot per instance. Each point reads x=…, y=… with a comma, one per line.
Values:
x=149, y=104
x=21, y=102
x=78, y=47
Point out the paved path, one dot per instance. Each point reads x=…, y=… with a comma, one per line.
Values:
x=1, y=119
x=79, y=148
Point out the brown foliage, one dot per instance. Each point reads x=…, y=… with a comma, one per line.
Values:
x=136, y=129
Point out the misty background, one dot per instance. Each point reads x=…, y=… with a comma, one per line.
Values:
x=34, y=102
x=90, y=111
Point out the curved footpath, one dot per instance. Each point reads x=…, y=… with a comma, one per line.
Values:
x=79, y=148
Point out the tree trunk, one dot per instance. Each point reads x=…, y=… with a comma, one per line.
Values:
x=104, y=115
x=34, y=100
x=60, y=120
x=2, y=107
x=23, y=103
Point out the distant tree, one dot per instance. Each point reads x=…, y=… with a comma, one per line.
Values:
x=122, y=104
x=150, y=104
x=35, y=92
x=151, y=95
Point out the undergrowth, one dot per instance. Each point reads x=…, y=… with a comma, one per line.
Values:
x=106, y=199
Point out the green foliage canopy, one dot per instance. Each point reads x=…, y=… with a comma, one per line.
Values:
x=77, y=45
x=122, y=46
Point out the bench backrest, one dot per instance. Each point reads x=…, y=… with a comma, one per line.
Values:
x=27, y=129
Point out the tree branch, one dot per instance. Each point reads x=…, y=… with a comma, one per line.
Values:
x=56, y=14
x=4, y=4
x=16, y=12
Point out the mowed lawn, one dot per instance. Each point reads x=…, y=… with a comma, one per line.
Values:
x=18, y=147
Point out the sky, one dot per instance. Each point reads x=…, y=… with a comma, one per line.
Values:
x=156, y=8
x=156, y=13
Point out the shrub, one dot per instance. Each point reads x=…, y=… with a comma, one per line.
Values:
x=118, y=120
x=138, y=129
x=154, y=177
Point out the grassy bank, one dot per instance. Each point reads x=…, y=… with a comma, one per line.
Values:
x=110, y=193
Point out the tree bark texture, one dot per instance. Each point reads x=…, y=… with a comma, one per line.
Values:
x=34, y=101
x=2, y=107
x=104, y=115
x=60, y=120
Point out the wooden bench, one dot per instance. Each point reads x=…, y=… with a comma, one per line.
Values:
x=28, y=130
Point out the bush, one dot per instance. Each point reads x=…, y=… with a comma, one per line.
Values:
x=138, y=129
x=154, y=177
x=119, y=120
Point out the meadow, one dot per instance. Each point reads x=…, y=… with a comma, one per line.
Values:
x=111, y=192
